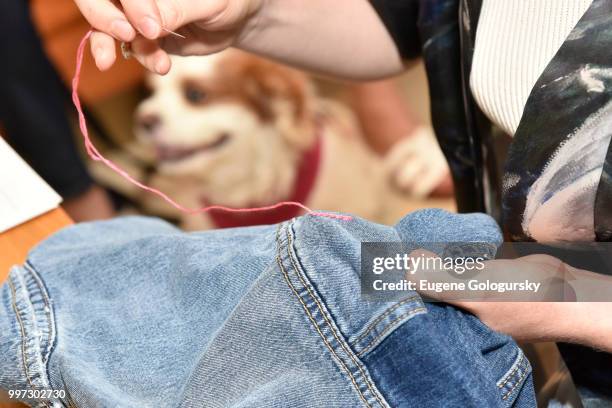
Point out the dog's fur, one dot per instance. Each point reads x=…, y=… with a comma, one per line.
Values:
x=230, y=129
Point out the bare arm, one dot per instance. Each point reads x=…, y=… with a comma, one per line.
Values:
x=342, y=38
x=384, y=113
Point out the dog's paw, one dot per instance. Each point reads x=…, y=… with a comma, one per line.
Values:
x=416, y=165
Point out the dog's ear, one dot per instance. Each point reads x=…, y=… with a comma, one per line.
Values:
x=281, y=96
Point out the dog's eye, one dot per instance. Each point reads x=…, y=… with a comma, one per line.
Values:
x=194, y=95
x=145, y=92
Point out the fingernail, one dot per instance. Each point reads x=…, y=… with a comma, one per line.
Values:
x=122, y=30
x=149, y=28
x=100, y=55
x=160, y=67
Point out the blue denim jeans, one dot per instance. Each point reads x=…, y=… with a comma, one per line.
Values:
x=135, y=313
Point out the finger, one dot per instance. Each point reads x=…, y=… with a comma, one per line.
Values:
x=148, y=53
x=542, y=259
x=177, y=13
x=144, y=15
x=103, y=50
x=171, y=13
x=427, y=271
x=104, y=16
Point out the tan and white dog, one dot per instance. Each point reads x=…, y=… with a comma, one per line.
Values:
x=236, y=130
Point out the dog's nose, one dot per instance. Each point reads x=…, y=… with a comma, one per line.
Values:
x=149, y=122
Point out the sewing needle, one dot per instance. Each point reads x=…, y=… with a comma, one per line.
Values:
x=173, y=33
x=126, y=49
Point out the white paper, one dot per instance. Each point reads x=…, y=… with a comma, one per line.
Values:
x=23, y=194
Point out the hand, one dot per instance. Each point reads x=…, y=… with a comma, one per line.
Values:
x=208, y=25
x=343, y=38
x=587, y=323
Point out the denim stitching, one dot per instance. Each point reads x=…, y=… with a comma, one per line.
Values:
x=390, y=326
x=387, y=312
x=48, y=311
x=511, y=390
x=516, y=384
x=326, y=318
x=312, y=320
x=50, y=318
x=521, y=363
x=517, y=365
x=24, y=358
x=314, y=323
x=24, y=346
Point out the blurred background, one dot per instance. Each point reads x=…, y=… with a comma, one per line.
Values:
x=242, y=136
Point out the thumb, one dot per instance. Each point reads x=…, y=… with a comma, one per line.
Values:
x=209, y=14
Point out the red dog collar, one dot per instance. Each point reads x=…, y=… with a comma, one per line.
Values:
x=305, y=179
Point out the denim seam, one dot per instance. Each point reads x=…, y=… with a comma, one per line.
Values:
x=48, y=311
x=517, y=373
x=510, y=373
x=392, y=325
x=314, y=323
x=50, y=317
x=387, y=312
x=507, y=394
x=24, y=358
x=300, y=272
x=22, y=299
x=317, y=328
x=363, y=376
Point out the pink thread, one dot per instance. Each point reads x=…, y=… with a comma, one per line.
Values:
x=94, y=154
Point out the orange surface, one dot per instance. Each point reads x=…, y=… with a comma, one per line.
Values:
x=61, y=26
x=10, y=404
x=17, y=242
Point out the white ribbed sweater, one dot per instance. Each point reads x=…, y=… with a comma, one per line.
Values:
x=515, y=41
